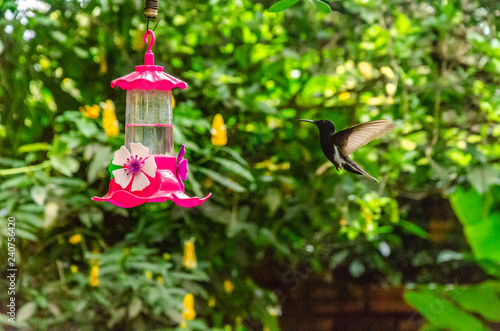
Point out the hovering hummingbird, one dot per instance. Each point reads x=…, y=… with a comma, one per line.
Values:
x=336, y=146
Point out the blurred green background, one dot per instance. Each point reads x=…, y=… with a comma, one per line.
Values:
x=432, y=225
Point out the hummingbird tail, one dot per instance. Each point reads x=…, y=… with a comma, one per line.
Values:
x=353, y=167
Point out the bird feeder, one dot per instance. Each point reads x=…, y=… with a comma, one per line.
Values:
x=145, y=169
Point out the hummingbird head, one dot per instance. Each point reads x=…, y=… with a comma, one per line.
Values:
x=323, y=125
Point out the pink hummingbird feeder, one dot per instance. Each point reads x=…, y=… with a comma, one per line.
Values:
x=146, y=169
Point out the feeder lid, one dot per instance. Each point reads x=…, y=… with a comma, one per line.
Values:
x=148, y=76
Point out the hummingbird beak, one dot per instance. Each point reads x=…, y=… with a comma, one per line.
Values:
x=308, y=121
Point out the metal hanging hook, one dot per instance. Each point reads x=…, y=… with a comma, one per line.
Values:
x=147, y=24
x=159, y=19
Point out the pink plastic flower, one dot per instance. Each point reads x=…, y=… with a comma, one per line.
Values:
x=136, y=165
x=182, y=168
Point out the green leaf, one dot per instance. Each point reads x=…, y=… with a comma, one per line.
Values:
x=80, y=52
x=449, y=255
x=134, y=308
x=101, y=298
x=235, y=167
x=235, y=155
x=215, y=212
x=38, y=194
x=26, y=311
x=320, y=5
x=116, y=316
x=482, y=229
x=356, y=268
x=91, y=216
x=29, y=220
x=483, y=299
x=413, y=228
x=68, y=182
x=25, y=234
x=402, y=24
x=4, y=319
x=441, y=313
x=313, y=93
x=101, y=157
x=196, y=187
x=65, y=164
x=193, y=276
x=222, y=180
x=282, y=5
x=273, y=200
x=59, y=36
x=5, y=161
x=338, y=258
x=483, y=177
x=86, y=127
x=18, y=181
x=483, y=238
x=467, y=206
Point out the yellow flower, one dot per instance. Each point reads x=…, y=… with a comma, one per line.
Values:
x=268, y=164
x=274, y=311
x=166, y=256
x=160, y=281
x=211, y=301
x=376, y=101
x=109, y=121
x=75, y=239
x=408, y=144
x=218, y=131
x=74, y=269
x=344, y=96
x=387, y=72
x=44, y=63
x=149, y=274
x=96, y=260
x=350, y=83
x=91, y=111
x=390, y=89
x=188, y=313
x=94, y=276
x=109, y=104
x=366, y=69
x=367, y=215
x=228, y=286
x=189, y=259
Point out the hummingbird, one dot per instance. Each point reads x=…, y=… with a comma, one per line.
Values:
x=338, y=145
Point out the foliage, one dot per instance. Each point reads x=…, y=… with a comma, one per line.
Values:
x=431, y=68
x=455, y=307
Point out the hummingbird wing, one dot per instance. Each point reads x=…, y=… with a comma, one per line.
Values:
x=349, y=140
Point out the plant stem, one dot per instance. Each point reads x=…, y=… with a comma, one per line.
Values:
x=7, y=172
